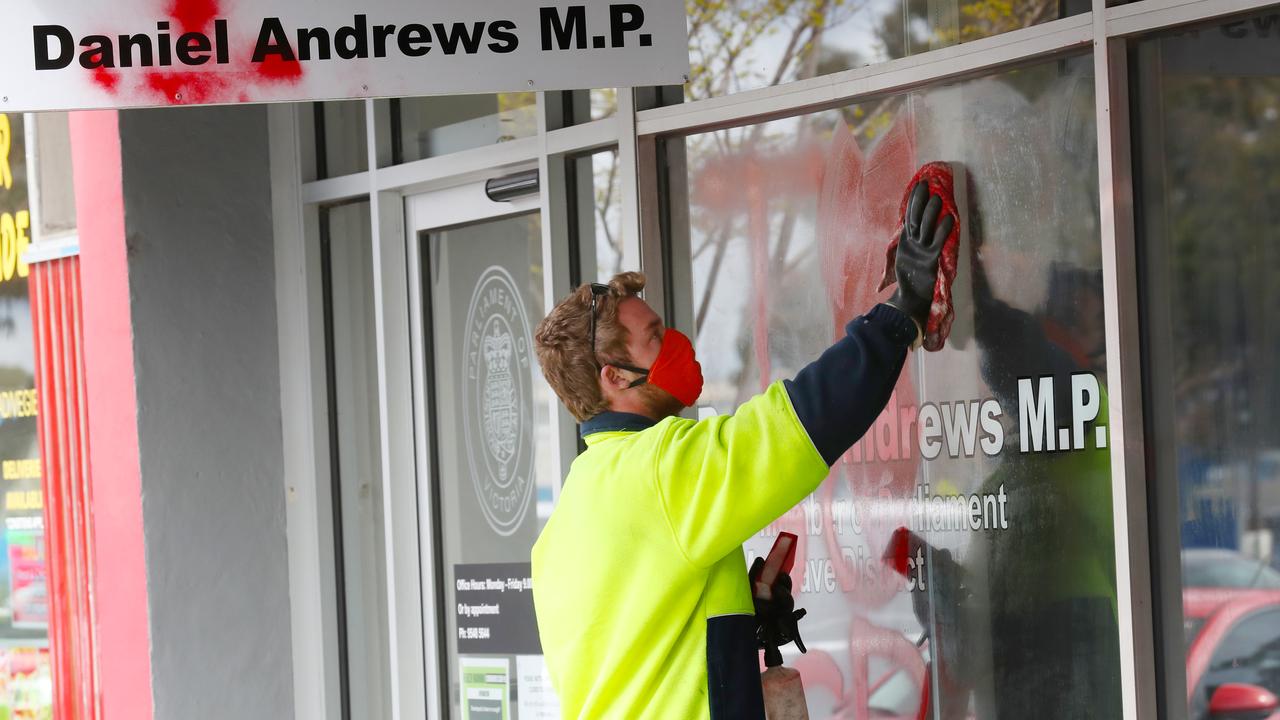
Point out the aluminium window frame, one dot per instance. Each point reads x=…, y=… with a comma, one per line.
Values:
x=652, y=176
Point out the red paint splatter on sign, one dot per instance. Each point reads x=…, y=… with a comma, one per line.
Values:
x=105, y=79
x=239, y=81
x=184, y=88
x=193, y=15
x=208, y=83
x=275, y=69
x=167, y=85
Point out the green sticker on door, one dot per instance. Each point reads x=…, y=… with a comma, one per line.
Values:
x=485, y=688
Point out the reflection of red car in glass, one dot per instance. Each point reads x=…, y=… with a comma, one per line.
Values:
x=1233, y=653
x=1233, y=660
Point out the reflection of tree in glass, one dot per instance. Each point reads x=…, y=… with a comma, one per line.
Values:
x=1221, y=143
x=604, y=102
x=736, y=45
x=608, y=200
x=516, y=115
x=775, y=165
x=725, y=38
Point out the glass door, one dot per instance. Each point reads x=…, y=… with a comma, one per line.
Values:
x=489, y=437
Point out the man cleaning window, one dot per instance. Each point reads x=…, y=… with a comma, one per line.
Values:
x=639, y=579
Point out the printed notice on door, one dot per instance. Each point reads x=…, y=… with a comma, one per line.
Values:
x=493, y=604
x=485, y=688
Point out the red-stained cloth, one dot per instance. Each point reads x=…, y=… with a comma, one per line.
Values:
x=941, y=314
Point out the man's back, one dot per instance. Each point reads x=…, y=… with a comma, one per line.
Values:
x=640, y=584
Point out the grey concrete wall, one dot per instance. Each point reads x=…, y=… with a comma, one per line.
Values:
x=202, y=280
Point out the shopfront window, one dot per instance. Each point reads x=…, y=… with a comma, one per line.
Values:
x=604, y=103
x=26, y=683
x=584, y=106
x=1208, y=144
x=491, y=467
x=424, y=127
x=992, y=453
x=748, y=44
x=341, y=138
x=598, y=215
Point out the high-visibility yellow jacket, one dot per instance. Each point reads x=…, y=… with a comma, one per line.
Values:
x=639, y=579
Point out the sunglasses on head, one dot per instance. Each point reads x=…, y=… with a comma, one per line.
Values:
x=599, y=290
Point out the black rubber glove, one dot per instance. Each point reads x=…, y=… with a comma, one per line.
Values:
x=916, y=264
x=777, y=620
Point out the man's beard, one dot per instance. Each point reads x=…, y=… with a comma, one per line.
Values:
x=659, y=403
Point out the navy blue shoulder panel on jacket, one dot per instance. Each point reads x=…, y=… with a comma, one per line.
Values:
x=839, y=395
x=733, y=669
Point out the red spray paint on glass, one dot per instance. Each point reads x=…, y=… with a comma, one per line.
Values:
x=858, y=198
x=857, y=211
x=758, y=232
x=867, y=641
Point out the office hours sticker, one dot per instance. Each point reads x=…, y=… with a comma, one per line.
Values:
x=497, y=411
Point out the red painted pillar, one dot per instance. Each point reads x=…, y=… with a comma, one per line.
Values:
x=99, y=628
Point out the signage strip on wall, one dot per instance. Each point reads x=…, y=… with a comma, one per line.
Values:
x=137, y=53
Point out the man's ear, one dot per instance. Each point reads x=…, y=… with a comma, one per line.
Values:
x=610, y=378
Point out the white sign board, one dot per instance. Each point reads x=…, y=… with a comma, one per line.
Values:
x=73, y=54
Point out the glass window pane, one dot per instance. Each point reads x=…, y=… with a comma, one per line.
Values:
x=356, y=471
x=599, y=215
x=584, y=106
x=1014, y=580
x=747, y=44
x=431, y=126
x=341, y=138
x=492, y=467
x=1208, y=143
x=25, y=669
x=604, y=103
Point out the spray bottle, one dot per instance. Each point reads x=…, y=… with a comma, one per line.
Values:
x=777, y=623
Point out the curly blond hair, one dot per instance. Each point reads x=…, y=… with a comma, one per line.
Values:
x=561, y=341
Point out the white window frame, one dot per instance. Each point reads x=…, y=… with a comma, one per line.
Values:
x=638, y=133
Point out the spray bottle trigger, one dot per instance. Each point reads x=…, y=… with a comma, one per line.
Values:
x=795, y=629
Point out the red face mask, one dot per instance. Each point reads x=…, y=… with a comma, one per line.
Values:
x=675, y=370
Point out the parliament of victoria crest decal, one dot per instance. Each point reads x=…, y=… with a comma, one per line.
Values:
x=498, y=400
